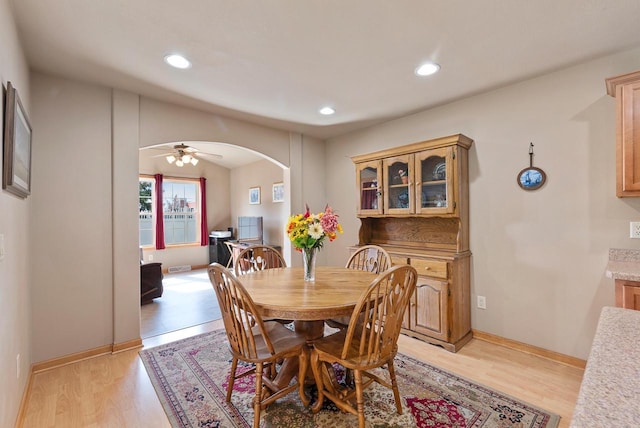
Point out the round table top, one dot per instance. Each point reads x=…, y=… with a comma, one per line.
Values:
x=283, y=293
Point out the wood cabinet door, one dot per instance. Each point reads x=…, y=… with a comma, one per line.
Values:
x=435, y=173
x=369, y=184
x=431, y=308
x=629, y=141
x=631, y=297
x=397, y=176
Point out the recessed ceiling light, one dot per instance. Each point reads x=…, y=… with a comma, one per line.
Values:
x=427, y=69
x=327, y=111
x=177, y=61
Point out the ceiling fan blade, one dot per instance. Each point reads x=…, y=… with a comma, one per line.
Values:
x=208, y=155
x=163, y=154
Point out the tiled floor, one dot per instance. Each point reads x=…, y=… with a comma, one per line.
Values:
x=188, y=299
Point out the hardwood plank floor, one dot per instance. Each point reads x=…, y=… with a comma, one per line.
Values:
x=188, y=300
x=115, y=390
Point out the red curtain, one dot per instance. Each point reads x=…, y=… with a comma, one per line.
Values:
x=204, y=230
x=159, y=214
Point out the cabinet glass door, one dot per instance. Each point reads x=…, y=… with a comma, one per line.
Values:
x=398, y=179
x=434, y=181
x=368, y=175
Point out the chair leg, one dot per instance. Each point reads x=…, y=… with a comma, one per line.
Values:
x=257, y=405
x=317, y=374
x=394, y=386
x=303, y=364
x=359, y=398
x=232, y=378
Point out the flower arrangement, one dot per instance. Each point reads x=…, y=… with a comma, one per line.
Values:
x=310, y=230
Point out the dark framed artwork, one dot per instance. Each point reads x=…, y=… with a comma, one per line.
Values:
x=16, y=171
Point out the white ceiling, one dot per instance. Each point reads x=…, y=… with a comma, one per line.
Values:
x=276, y=62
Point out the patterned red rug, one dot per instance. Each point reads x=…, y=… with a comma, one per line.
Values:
x=190, y=377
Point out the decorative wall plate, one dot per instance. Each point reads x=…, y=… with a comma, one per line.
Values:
x=531, y=178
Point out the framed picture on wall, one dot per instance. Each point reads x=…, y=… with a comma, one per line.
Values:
x=16, y=171
x=254, y=196
x=278, y=192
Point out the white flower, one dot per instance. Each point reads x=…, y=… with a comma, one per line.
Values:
x=316, y=231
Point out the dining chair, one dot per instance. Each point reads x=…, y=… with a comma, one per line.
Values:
x=253, y=340
x=370, y=341
x=258, y=257
x=370, y=258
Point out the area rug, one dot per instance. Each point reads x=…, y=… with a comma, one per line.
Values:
x=190, y=377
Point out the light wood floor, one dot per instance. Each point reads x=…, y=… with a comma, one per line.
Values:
x=115, y=391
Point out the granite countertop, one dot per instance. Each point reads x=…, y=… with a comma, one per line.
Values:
x=623, y=264
x=609, y=391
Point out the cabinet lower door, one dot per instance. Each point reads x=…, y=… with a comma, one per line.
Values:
x=631, y=297
x=430, y=311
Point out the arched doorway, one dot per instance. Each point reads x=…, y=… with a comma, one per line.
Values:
x=230, y=172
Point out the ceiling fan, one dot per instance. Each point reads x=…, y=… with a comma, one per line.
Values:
x=183, y=154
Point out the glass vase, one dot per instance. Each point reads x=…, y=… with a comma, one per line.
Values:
x=309, y=263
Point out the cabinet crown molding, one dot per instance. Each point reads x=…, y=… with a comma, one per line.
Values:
x=459, y=139
x=623, y=79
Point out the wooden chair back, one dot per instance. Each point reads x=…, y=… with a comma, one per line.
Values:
x=258, y=257
x=239, y=313
x=371, y=258
x=375, y=324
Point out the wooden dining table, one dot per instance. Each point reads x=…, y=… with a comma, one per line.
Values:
x=284, y=294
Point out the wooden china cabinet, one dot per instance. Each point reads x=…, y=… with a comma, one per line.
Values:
x=626, y=90
x=413, y=200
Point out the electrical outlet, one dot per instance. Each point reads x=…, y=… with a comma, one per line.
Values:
x=482, y=302
x=150, y=257
x=634, y=229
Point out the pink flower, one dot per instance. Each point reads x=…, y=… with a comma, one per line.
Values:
x=329, y=220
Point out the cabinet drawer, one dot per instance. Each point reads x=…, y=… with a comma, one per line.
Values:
x=432, y=268
x=395, y=261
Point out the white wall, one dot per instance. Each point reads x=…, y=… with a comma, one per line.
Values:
x=162, y=122
x=72, y=219
x=274, y=215
x=539, y=257
x=15, y=268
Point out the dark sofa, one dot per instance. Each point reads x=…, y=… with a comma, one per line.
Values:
x=150, y=282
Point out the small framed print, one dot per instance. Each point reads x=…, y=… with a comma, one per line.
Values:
x=254, y=196
x=531, y=178
x=278, y=192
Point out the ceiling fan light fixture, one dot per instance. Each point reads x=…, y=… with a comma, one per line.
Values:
x=171, y=158
x=427, y=69
x=179, y=163
x=186, y=158
x=194, y=161
x=177, y=61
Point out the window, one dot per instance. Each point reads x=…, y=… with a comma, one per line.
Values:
x=146, y=222
x=180, y=211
